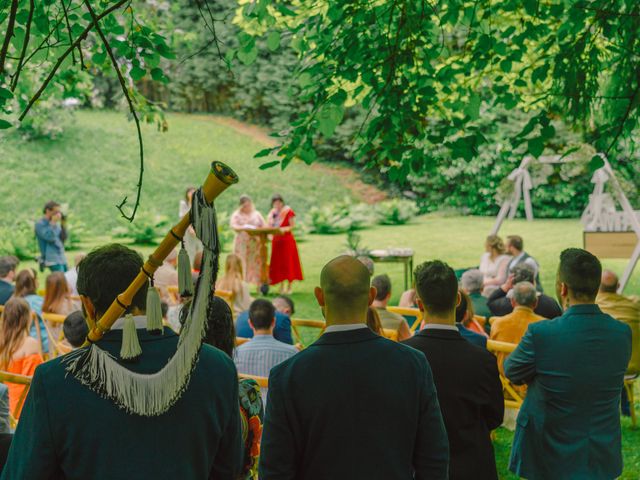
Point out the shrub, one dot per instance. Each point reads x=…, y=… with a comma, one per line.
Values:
x=145, y=230
x=339, y=217
x=225, y=233
x=18, y=239
x=395, y=212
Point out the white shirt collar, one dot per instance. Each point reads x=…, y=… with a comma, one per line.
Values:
x=345, y=327
x=140, y=321
x=438, y=326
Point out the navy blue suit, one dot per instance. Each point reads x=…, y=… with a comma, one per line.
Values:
x=353, y=405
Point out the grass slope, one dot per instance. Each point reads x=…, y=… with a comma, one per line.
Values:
x=94, y=165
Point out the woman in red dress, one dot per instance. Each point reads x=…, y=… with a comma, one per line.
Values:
x=285, y=261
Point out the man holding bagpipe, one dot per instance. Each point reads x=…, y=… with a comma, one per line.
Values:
x=136, y=402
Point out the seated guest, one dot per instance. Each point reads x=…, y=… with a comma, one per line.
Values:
x=71, y=275
x=510, y=328
x=466, y=376
x=471, y=284
x=75, y=329
x=167, y=276
x=69, y=430
x=352, y=405
x=515, y=248
x=27, y=288
x=625, y=310
x=282, y=332
x=373, y=321
x=574, y=365
x=233, y=281
x=408, y=299
x=19, y=353
x=8, y=265
x=467, y=326
x=493, y=264
x=263, y=352
x=388, y=320
x=57, y=295
x=500, y=304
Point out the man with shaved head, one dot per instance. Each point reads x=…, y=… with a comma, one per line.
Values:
x=626, y=310
x=353, y=404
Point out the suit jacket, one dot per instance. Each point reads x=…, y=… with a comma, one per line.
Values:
x=282, y=332
x=500, y=305
x=628, y=311
x=6, y=290
x=470, y=396
x=471, y=336
x=480, y=306
x=569, y=423
x=67, y=431
x=353, y=405
x=511, y=328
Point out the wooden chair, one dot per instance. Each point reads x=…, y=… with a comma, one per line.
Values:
x=263, y=382
x=512, y=398
x=241, y=340
x=390, y=334
x=481, y=320
x=629, y=380
x=413, y=316
x=36, y=321
x=57, y=346
x=296, y=322
x=8, y=377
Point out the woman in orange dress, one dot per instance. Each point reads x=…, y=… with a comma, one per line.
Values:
x=285, y=261
x=19, y=353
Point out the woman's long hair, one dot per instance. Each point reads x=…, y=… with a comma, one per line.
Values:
x=15, y=323
x=373, y=321
x=57, y=291
x=25, y=283
x=233, y=276
x=220, y=330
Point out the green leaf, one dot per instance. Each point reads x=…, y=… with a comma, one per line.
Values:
x=273, y=40
x=138, y=73
x=263, y=153
x=4, y=124
x=506, y=65
x=548, y=132
x=473, y=107
x=5, y=93
x=595, y=163
x=248, y=57
x=267, y=165
x=99, y=57
x=536, y=146
x=329, y=117
x=530, y=6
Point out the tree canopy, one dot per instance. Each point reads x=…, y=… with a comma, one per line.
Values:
x=422, y=75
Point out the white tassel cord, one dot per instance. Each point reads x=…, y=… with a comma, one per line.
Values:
x=130, y=349
x=153, y=394
x=154, y=311
x=185, y=280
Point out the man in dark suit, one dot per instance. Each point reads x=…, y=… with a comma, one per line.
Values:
x=569, y=423
x=500, y=304
x=352, y=405
x=69, y=431
x=8, y=265
x=282, y=331
x=466, y=376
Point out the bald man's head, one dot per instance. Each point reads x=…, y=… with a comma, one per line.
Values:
x=344, y=285
x=609, y=282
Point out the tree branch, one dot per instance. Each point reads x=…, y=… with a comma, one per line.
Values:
x=25, y=44
x=8, y=35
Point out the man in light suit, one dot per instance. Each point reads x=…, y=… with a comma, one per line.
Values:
x=569, y=423
x=352, y=405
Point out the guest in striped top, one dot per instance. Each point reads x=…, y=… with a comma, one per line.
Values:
x=263, y=352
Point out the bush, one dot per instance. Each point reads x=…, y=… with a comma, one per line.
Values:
x=19, y=239
x=145, y=230
x=339, y=217
x=225, y=233
x=395, y=212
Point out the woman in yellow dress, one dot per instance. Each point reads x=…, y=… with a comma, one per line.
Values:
x=246, y=246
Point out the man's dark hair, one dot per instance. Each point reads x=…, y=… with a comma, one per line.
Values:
x=523, y=273
x=581, y=271
x=461, y=309
x=516, y=242
x=50, y=205
x=437, y=286
x=8, y=264
x=107, y=272
x=383, y=286
x=261, y=313
x=75, y=329
x=288, y=301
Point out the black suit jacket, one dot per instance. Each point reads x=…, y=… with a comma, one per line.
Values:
x=470, y=395
x=500, y=305
x=351, y=406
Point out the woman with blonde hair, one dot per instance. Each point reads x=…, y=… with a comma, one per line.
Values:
x=57, y=299
x=19, y=353
x=246, y=246
x=233, y=281
x=493, y=264
x=27, y=288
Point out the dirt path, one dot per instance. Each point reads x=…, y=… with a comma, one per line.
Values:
x=347, y=176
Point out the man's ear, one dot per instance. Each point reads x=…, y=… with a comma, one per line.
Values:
x=319, y=294
x=89, y=310
x=458, y=299
x=564, y=289
x=420, y=304
x=372, y=294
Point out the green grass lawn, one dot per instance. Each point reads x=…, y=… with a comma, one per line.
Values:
x=94, y=165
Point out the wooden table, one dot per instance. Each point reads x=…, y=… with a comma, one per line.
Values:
x=263, y=235
x=400, y=255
